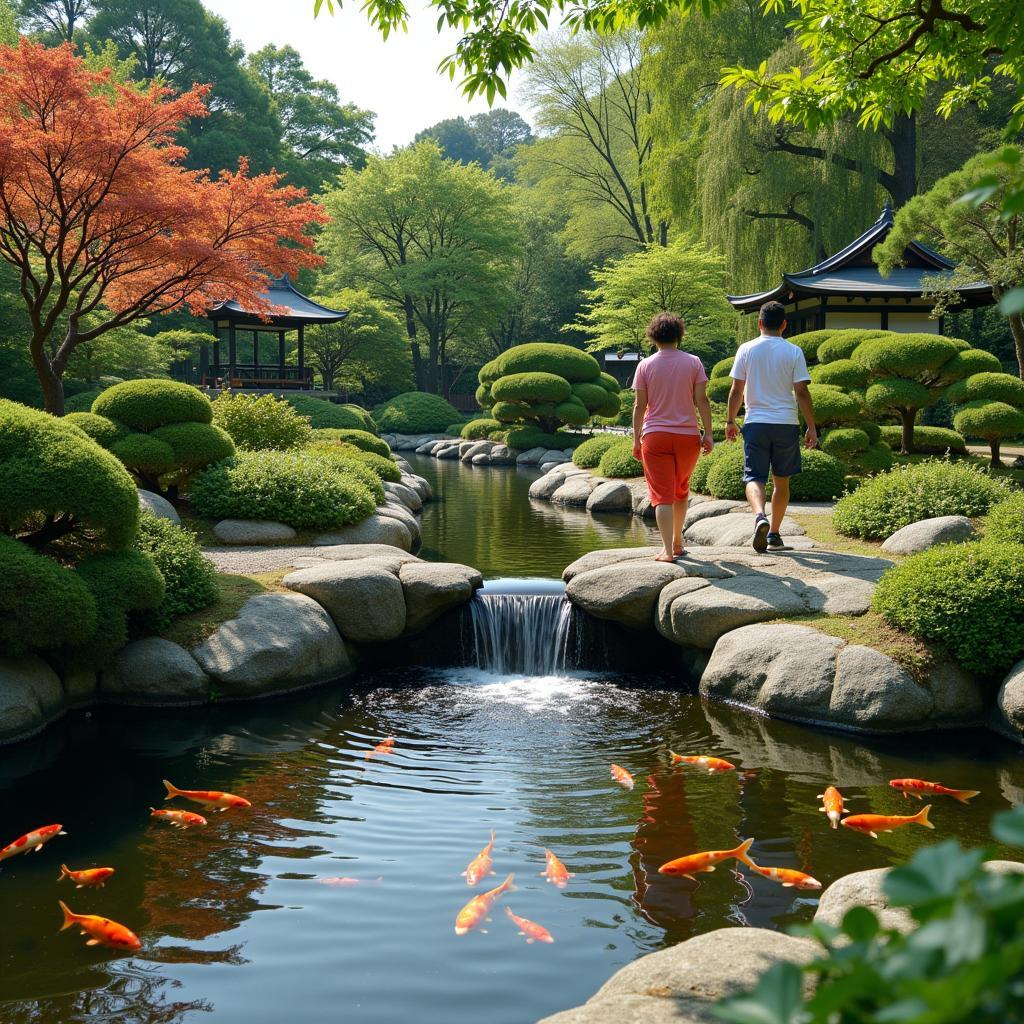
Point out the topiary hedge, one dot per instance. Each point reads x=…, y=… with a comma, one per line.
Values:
x=532, y=387
x=928, y=440
x=1005, y=521
x=588, y=454
x=369, y=423
x=322, y=413
x=302, y=489
x=146, y=404
x=908, y=494
x=822, y=477
x=841, y=344
x=479, y=430
x=383, y=468
x=260, y=422
x=357, y=438
x=843, y=373
x=991, y=407
x=722, y=368
x=415, y=412
x=618, y=461
x=965, y=597
x=705, y=463
x=718, y=388
x=103, y=431
x=194, y=445
x=543, y=357
x=82, y=402
x=844, y=442
x=525, y=438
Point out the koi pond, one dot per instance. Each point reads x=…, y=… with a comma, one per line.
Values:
x=334, y=897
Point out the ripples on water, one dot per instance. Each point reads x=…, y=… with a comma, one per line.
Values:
x=236, y=928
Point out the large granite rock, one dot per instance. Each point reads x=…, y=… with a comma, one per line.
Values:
x=418, y=483
x=406, y=495
x=545, y=486
x=502, y=455
x=927, y=533
x=253, y=531
x=734, y=529
x=709, y=510
x=376, y=529
x=154, y=671
x=625, y=592
x=364, y=598
x=531, y=457
x=575, y=490
x=390, y=556
x=395, y=510
x=1009, y=709
x=158, y=506
x=30, y=697
x=611, y=496
x=432, y=588
x=278, y=642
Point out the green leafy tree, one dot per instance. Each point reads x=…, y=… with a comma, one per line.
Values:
x=121, y=352
x=991, y=407
x=54, y=19
x=457, y=141
x=431, y=238
x=489, y=139
x=320, y=133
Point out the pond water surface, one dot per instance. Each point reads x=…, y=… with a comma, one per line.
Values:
x=334, y=897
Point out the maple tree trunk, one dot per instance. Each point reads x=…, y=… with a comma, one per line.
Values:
x=1017, y=330
x=49, y=379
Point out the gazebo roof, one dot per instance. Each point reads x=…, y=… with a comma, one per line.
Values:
x=301, y=309
x=852, y=273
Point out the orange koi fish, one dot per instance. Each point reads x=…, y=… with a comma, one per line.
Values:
x=555, y=871
x=915, y=787
x=32, y=841
x=622, y=777
x=832, y=805
x=872, y=824
x=101, y=930
x=534, y=932
x=179, y=819
x=477, y=909
x=685, y=867
x=713, y=764
x=90, y=876
x=788, y=877
x=211, y=798
x=480, y=866
x=384, y=747
x=344, y=882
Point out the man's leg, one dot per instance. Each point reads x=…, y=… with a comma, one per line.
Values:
x=780, y=500
x=756, y=466
x=756, y=497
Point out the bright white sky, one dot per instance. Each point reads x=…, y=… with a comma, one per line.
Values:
x=397, y=79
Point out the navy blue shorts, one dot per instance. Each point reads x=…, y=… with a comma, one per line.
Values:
x=770, y=446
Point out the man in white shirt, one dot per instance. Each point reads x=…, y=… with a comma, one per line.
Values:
x=769, y=376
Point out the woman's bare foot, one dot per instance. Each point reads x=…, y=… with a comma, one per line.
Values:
x=679, y=552
x=664, y=558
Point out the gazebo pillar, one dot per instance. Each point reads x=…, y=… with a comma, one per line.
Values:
x=280, y=354
x=255, y=348
x=231, y=352
x=302, y=352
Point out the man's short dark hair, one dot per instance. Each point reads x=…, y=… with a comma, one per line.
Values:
x=772, y=315
x=665, y=329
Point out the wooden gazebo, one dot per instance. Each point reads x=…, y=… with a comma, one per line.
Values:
x=256, y=374
x=848, y=290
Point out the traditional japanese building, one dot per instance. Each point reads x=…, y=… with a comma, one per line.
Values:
x=244, y=357
x=848, y=290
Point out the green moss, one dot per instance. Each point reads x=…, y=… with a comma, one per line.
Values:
x=415, y=412
x=146, y=404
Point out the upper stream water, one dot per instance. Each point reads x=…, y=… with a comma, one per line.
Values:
x=333, y=898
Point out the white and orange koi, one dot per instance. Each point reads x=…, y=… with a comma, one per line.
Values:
x=480, y=866
x=534, y=932
x=477, y=909
x=384, y=747
x=832, y=805
x=101, y=930
x=344, y=882
x=555, y=871
x=787, y=877
x=34, y=840
x=211, y=798
x=713, y=764
x=686, y=867
x=872, y=824
x=622, y=777
x=915, y=787
x=179, y=819
x=89, y=877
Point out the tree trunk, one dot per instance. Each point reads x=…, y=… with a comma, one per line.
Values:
x=902, y=184
x=997, y=462
x=1017, y=330
x=410, y=330
x=907, y=418
x=49, y=380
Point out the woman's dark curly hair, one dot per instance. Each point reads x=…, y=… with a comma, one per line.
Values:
x=665, y=328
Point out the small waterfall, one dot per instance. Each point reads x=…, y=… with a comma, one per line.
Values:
x=521, y=627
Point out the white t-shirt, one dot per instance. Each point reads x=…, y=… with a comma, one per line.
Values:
x=770, y=366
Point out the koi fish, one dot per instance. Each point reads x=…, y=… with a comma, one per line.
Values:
x=480, y=866
x=622, y=777
x=384, y=747
x=713, y=764
x=211, y=798
x=477, y=909
x=555, y=871
x=101, y=930
x=179, y=819
x=872, y=824
x=914, y=787
x=832, y=805
x=90, y=876
x=344, y=882
x=534, y=932
x=685, y=867
x=788, y=877
x=32, y=841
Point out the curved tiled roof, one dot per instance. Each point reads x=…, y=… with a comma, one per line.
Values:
x=300, y=308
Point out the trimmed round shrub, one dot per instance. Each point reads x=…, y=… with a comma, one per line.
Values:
x=384, y=468
x=722, y=368
x=593, y=396
x=369, y=423
x=989, y=420
x=843, y=373
x=455, y=429
x=358, y=439
x=888, y=502
x=195, y=444
x=927, y=440
x=543, y=357
x=965, y=597
x=525, y=438
x=833, y=405
x=488, y=374
x=322, y=413
x=42, y=604
x=718, y=388
x=415, y=412
x=298, y=488
x=507, y=412
x=608, y=382
x=972, y=361
x=873, y=430
x=534, y=387
x=82, y=402
x=147, y=457
x=588, y=455
x=842, y=344
x=808, y=343
x=146, y=404
x=1005, y=521
x=483, y=395
x=885, y=394
x=843, y=442
x=905, y=354
x=705, y=463
x=822, y=477
x=574, y=413
x=479, y=430
x=257, y=422
x=876, y=458
x=995, y=387
x=618, y=461
x=190, y=581
x=103, y=431
x=343, y=458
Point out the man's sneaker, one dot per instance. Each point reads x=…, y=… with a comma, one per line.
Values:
x=760, y=538
x=775, y=541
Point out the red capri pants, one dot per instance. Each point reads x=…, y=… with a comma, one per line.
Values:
x=668, y=463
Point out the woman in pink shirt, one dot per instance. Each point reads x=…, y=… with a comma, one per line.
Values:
x=671, y=388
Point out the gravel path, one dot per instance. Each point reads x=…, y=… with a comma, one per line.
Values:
x=248, y=559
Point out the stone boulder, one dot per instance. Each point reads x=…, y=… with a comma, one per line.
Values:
x=364, y=598
x=531, y=457
x=253, y=531
x=432, y=588
x=502, y=455
x=392, y=509
x=160, y=507
x=376, y=529
x=545, y=486
x=611, y=496
x=927, y=533
x=575, y=490
x=404, y=494
x=30, y=697
x=450, y=451
x=624, y=592
x=735, y=529
x=708, y=509
x=469, y=450
x=418, y=483
x=277, y=643
x=1009, y=708
x=154, y=671
x=393, y=557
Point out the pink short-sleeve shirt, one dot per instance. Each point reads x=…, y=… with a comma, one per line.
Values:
x=669, y=377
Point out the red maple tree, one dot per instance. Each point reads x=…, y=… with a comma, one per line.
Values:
x=98, y=215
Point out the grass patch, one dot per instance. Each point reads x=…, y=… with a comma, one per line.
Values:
x=819, y=528
x=191, y=630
